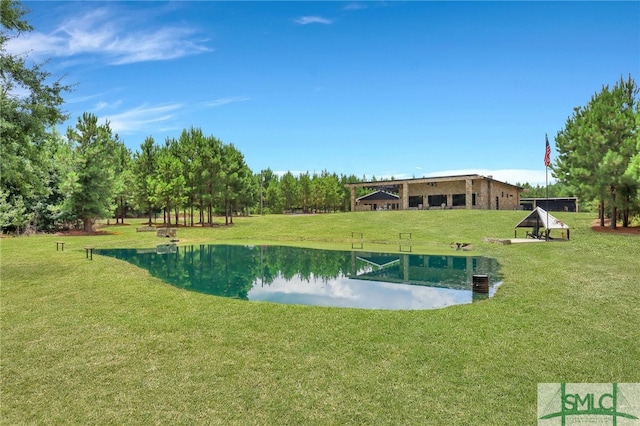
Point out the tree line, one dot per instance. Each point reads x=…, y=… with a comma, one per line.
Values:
x=50, y=181
x=189, y=180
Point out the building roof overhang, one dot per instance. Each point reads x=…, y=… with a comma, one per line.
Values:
x=394, y=184
x=378, y=196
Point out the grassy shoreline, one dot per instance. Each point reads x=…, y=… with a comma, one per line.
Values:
x=103, y=342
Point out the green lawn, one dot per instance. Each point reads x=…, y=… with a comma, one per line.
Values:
x=104, y=342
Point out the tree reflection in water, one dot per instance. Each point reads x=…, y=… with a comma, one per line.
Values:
x=316, y=277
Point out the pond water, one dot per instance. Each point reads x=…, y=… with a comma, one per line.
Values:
x=292, y=275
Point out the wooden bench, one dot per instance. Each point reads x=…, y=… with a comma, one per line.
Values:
x=166, y=232
x=60, y=244
x=145, y=229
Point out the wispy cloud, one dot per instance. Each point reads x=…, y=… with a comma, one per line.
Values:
x=85, y=98
x=225, y=101
x=106, y=33
x=141, y=118
x=355, y=6
x=36, y=43
x=150, y=118
x=107, y=105
x=305, y=20
x=164, y=44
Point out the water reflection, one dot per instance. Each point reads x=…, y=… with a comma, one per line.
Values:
x=316, y=277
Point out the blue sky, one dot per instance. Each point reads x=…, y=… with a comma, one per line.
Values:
x=403, y=89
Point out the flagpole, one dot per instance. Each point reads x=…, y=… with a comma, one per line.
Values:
x=546, y=178
x=547, y=161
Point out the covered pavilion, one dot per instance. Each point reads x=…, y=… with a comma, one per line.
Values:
x=539, y=219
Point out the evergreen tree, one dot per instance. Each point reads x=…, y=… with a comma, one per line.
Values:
x=235, y=176
x=30, y=105
x=273, y=196
x=596, y=146
x=331, y=191
x=47, y=207
x=168, y=182
x=145, y=164
x=317, y=196
x=249, y=192
x=264, y=179
x=290, y=191
x=123, y=180
x=189, y=149
x=91, y=185
x=209, y=175
x=305, y=191
x=633, y=171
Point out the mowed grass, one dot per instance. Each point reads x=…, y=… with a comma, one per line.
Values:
x=103, y=342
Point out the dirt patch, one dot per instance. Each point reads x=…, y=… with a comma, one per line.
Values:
x=631, y=230
x=83, y=233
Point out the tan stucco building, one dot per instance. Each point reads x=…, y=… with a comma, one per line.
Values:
x=450, y=192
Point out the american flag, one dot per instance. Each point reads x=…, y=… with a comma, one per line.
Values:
x=547, y=153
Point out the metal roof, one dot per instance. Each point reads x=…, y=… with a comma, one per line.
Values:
x=378, y=196
x=540, y=218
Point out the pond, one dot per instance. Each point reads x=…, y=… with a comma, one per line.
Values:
x=292, y=275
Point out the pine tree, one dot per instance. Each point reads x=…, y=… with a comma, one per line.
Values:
x=144, y=168
x=168, y=182
x=596, y=146
x=91, y=185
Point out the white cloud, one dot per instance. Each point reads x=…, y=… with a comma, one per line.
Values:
x=37, y=44
x=225, y=101
x=85, y=98
x=106, y=105
x=146, y=117
x=347, y=292
x=355, y=6
x=304, y=20
x=141, y=118
x=104, y=32
x=164, y=44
